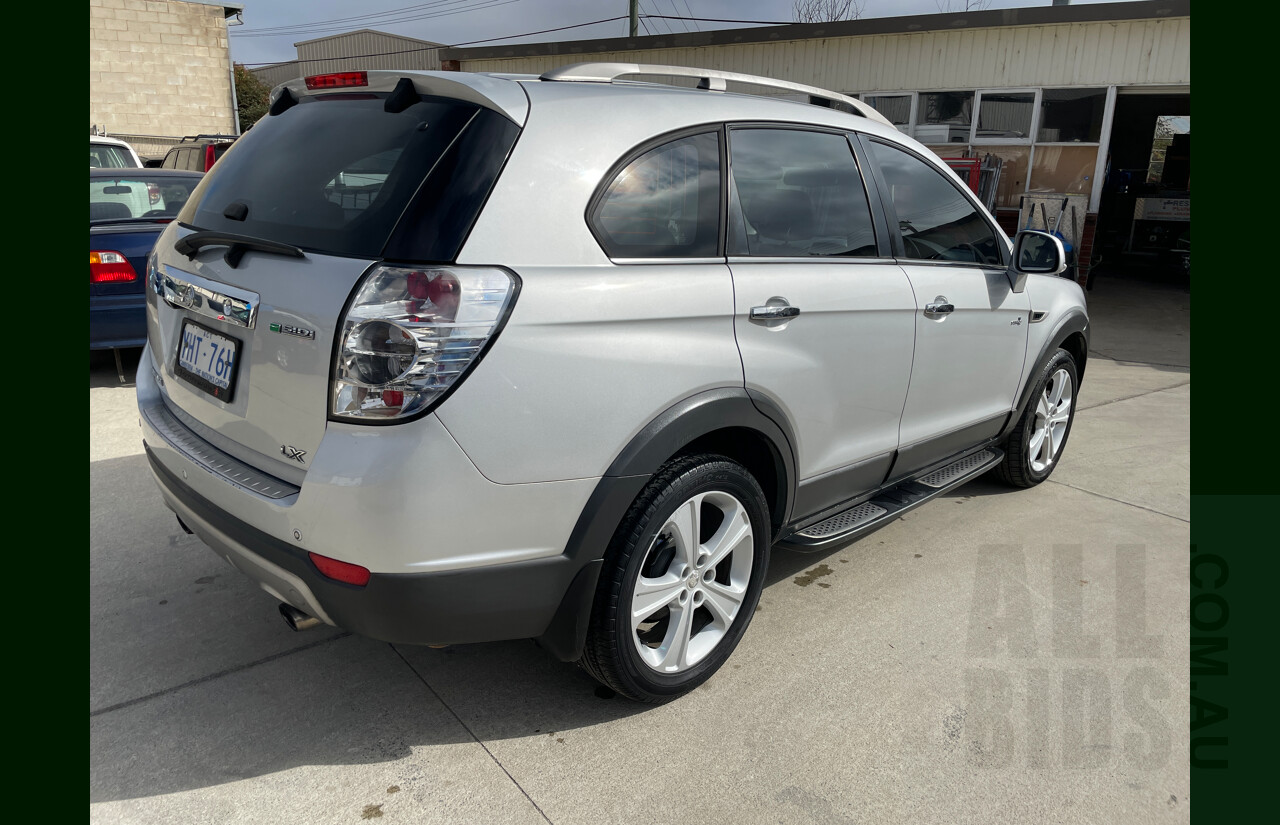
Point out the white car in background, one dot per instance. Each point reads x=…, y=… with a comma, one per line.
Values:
x=111, y=153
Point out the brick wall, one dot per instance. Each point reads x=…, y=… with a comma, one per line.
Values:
x=159, y=67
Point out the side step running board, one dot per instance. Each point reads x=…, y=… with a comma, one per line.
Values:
x=892, y=502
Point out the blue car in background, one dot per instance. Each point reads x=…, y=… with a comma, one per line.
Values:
x=128, y=208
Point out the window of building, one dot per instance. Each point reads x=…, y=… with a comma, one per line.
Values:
x=1071, y=115
x=895, y=107
x=944, y=117
x=1005, y=116
x=1168, y=127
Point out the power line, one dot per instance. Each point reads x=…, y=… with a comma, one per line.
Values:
x=357, y=18
x=443, y=46
x=657, y=29
x=689, y=12
x=672, y=3
x=302, y=30
x=510, y=36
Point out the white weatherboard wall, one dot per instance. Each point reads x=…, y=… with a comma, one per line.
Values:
x=1103, y=53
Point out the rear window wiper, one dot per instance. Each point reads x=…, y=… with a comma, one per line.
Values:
x=117, y=221
x=237, y=246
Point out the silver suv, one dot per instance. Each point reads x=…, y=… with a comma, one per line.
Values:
x=444, y=358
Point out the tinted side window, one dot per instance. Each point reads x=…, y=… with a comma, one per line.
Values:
x=170, y=160
x=937, y=222
x=664, y=204
x=801, y=194
x=194, y=159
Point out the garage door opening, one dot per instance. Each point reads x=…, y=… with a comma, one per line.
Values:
x=1144, y=215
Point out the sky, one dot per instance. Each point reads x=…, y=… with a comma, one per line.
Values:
x=271, y=27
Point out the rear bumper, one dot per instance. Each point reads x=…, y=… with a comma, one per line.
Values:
x=117, y=321
x=505, y=601
x=454, y=557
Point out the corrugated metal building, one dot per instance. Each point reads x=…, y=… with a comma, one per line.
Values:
x=1053, y=91
x=363, y=49
x=277, y=73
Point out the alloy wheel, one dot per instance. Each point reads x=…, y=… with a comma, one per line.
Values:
x=1053, y=414
x=692, y=582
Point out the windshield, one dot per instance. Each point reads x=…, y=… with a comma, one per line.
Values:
x=138, y=195
x=338, y=174
x=107, y=156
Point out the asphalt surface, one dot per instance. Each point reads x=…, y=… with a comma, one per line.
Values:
x=995, y=656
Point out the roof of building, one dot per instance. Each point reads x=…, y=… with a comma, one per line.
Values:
x=228, y=9
x=367, y=31
x=1033, y=16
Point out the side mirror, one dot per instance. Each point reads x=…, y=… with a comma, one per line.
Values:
x=1037, y=252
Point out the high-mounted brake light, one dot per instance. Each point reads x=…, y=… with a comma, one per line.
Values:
x=107, y=267
x=337, y=80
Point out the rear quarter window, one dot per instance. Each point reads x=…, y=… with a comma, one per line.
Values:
x=664, y=203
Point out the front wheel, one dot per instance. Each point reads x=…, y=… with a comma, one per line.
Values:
x=681, y=580
x=1036, y=443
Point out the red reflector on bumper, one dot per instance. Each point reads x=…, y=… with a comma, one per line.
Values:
x=340, y=570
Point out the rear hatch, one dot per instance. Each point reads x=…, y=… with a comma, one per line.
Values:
x=248, y=288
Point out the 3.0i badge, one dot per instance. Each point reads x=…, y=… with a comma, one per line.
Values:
x=301, y=332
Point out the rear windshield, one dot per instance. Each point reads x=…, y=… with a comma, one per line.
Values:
x=338, y=174
x=138, y=195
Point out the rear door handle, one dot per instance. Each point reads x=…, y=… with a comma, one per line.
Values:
x=773, y=313
x=939, y=306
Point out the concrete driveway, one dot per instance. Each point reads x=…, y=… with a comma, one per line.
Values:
x=995, y=656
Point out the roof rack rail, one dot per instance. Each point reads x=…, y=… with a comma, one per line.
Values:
x=208, y=137
x=711, y=79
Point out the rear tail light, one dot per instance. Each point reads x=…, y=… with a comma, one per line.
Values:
x=153, y=193
x=337, y=80
x=341, y=570
x=411, y=334
x=107, y=267
x=209, y=157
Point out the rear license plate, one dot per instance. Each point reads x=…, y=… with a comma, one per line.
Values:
x=207, y=360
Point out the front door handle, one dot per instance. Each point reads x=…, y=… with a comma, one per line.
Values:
x=939, y=306
x=773, y=313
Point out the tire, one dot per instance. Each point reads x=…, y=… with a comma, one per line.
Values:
x=1028, y=460
x=691, y=600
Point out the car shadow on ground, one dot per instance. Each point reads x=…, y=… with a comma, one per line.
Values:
x=227, y=692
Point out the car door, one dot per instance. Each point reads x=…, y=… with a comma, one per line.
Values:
x=970, y=326
x=824, y=317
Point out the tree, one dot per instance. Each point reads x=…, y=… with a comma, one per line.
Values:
x=961, y=5
x=252, y=97
x=827, y=11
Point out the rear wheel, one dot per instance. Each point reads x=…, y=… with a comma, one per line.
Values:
x=681, y=580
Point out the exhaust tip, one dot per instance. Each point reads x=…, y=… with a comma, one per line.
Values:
x=296, y=619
